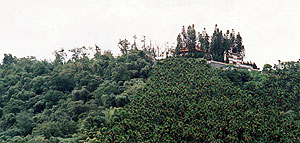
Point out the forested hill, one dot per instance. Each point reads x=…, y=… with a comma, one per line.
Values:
x=127, y=99
x=186, y=100
x=63, y=100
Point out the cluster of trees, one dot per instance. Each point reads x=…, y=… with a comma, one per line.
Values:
x=186, y=100
x=126, y=47
x=212, y=47
x=102, y=98
x=65, y=99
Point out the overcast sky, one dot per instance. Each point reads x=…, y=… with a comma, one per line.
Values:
x=270, y=28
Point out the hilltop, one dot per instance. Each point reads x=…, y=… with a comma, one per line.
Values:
x=186, y=100
x=131, y=99
x=149, y=71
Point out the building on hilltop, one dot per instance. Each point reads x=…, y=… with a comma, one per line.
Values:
x=221, y=65
x=234, y=58
x=221, y=47
x=185, y=50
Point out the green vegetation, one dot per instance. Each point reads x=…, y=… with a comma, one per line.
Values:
x=60, y=101
x=209, y=47
x=186, y=100
x=217, y=47
x=183, y=99
x=131, y=99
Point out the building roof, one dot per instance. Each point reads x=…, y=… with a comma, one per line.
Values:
x=185, y=49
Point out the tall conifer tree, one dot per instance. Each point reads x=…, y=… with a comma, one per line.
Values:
x=179, y=46
x=217, y=49
x=191, y=36
x=239, y=44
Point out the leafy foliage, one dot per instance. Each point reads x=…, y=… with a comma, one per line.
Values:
x=59, y=101
x=186, y=100
x=128, y=99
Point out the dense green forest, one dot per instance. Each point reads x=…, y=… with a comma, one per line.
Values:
x=129, y=99
x=64, y=100
x=134, y=98
x=187, y=100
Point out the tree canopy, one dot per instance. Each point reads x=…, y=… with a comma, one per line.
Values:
x=134, y=98
x=61, y=100
x=186, y=100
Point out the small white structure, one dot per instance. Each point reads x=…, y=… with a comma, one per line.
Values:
x=216, y=64
x=245, y=67
x=164, y=54
x=235, y=58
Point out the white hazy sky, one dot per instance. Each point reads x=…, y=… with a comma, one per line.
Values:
x=270, y=28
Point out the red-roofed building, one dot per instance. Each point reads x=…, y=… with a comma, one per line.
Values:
x=185, y=50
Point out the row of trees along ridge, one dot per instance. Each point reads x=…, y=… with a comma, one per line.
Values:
x=213, y=47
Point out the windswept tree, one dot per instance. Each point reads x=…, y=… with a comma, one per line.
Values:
x=60, y=56
x=134, y=46
x=124, y=46
x=80, y=53
x=97, y=51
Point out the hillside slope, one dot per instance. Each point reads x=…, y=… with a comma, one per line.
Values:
x=61, y=100
x=186, y=100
